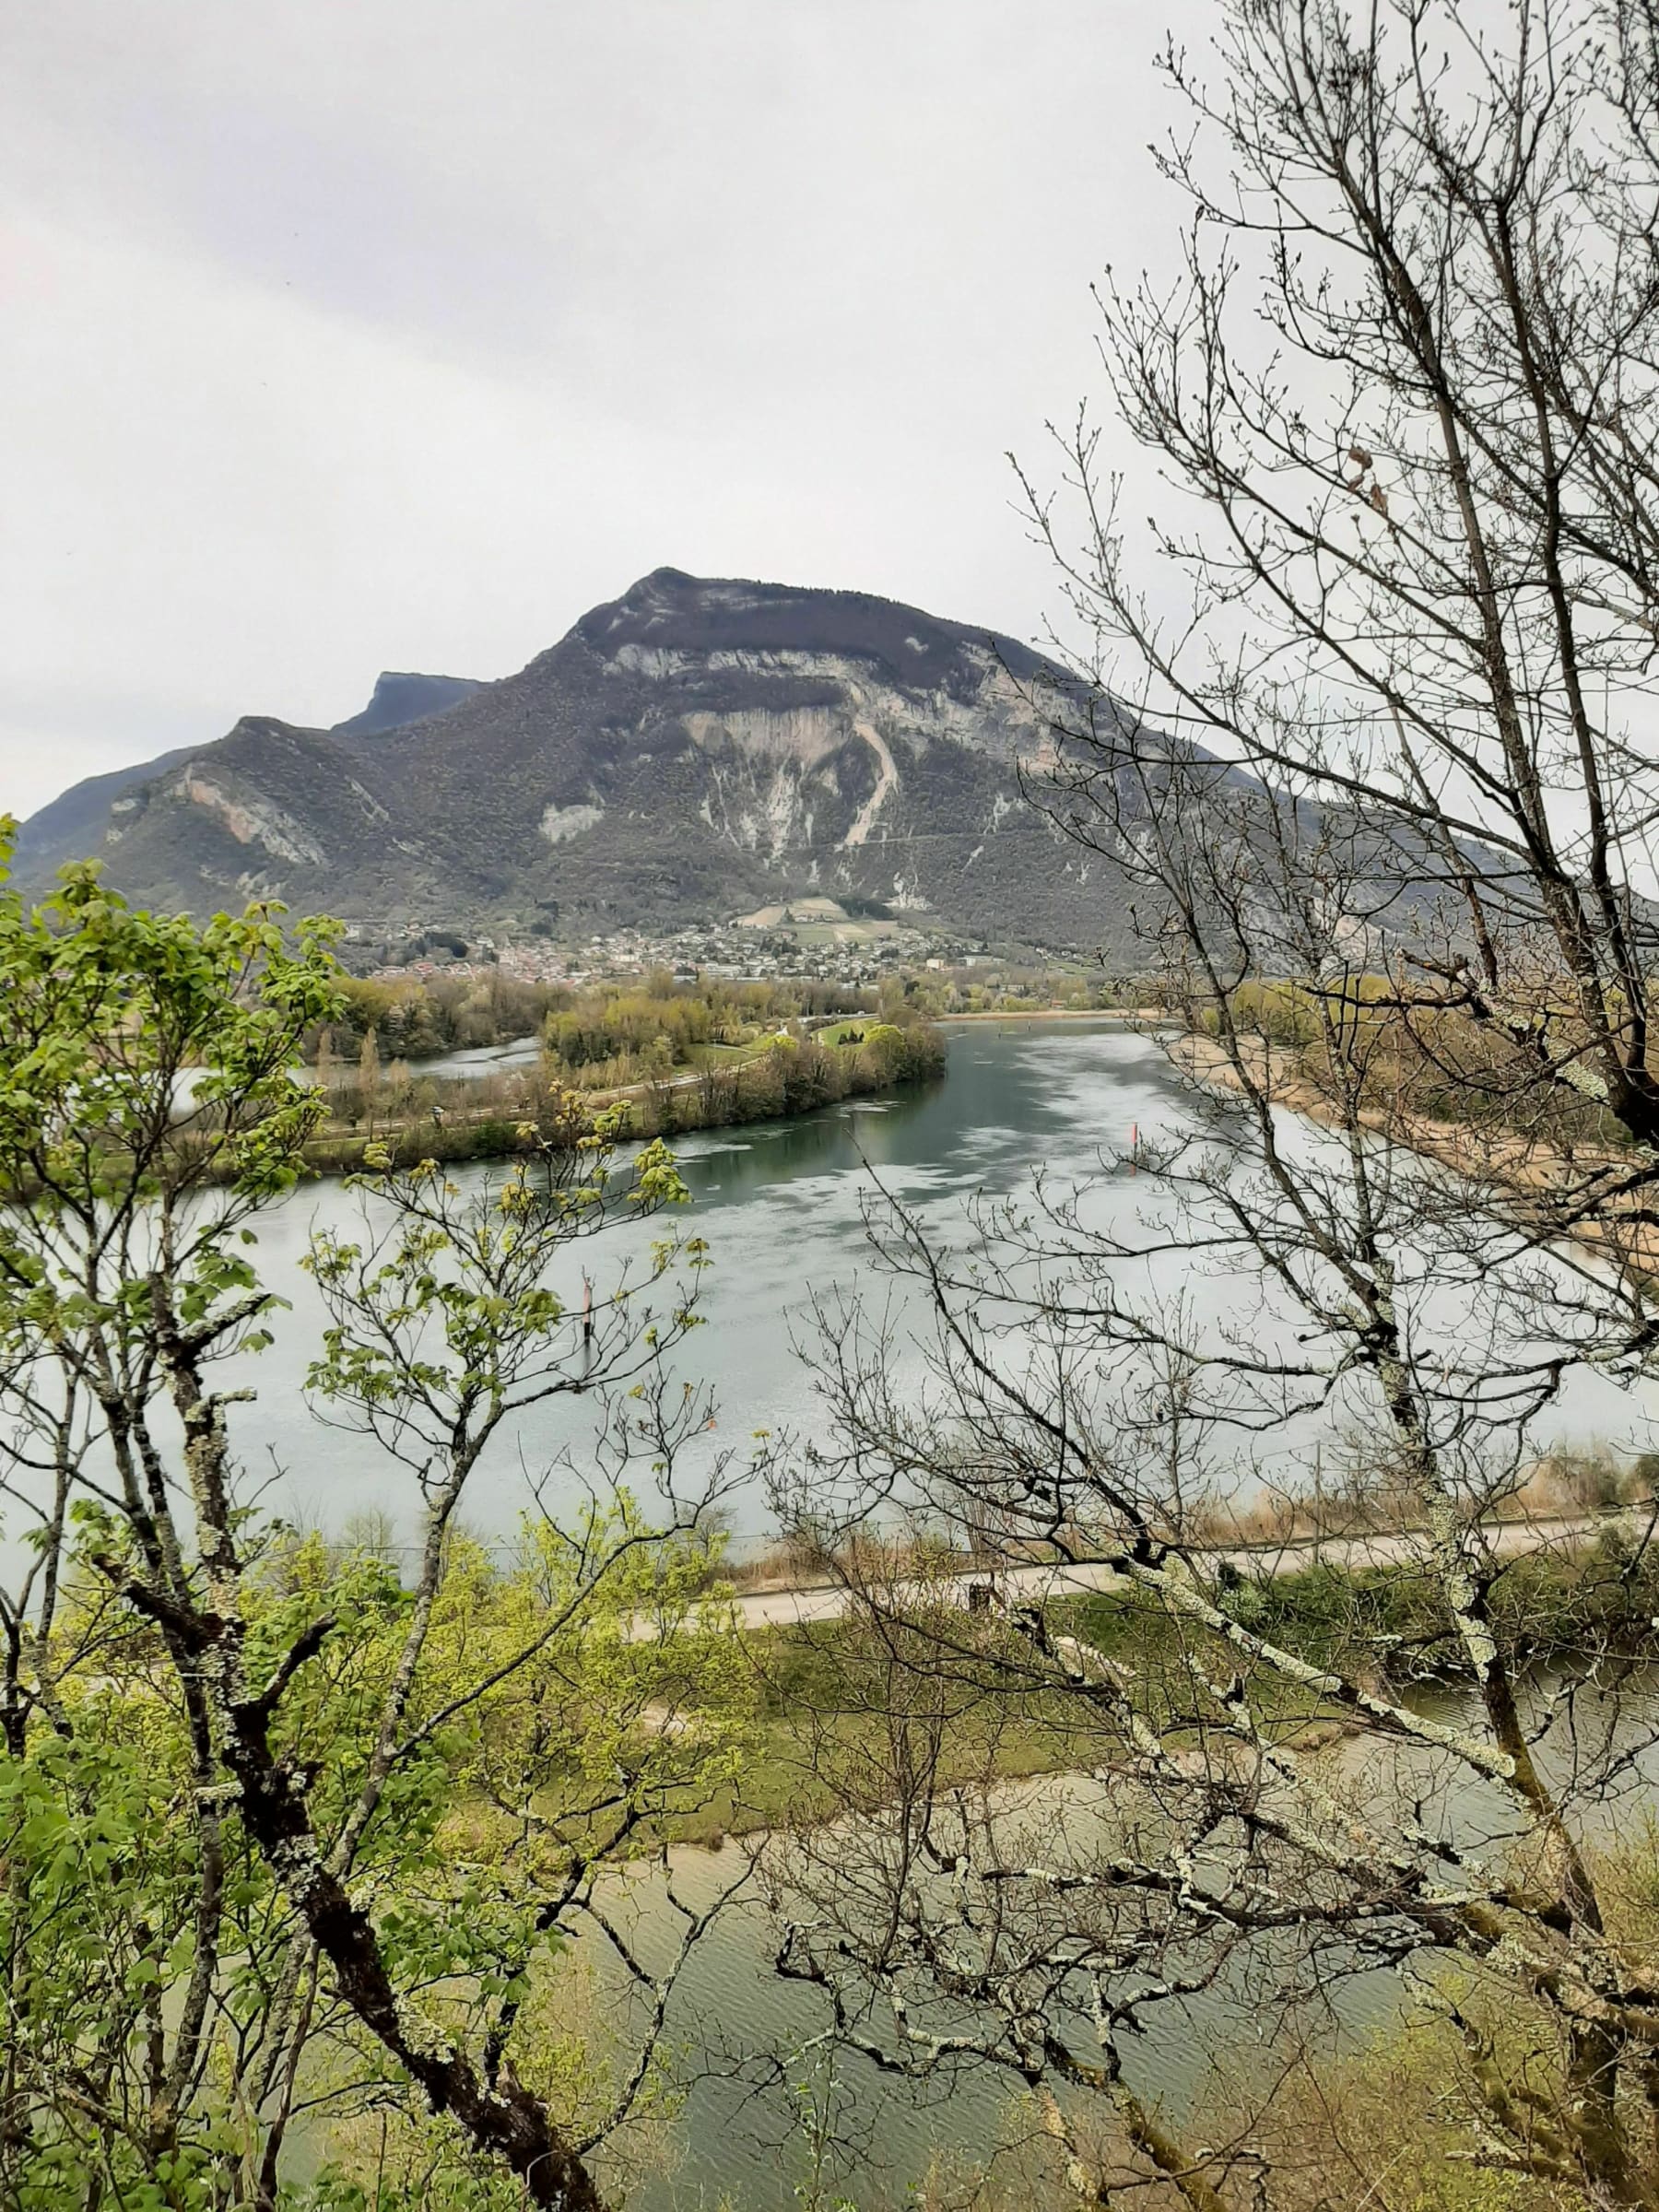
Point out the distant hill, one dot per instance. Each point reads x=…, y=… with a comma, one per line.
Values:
x=688, y=752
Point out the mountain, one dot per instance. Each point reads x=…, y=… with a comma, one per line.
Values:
x=85, y=819
x=77, y=821
x=399, y=699
x=689, y=751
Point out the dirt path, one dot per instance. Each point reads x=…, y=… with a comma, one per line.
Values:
x=1008, y=1015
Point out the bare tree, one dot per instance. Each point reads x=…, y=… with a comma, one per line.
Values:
x=1383, y=784
x=1416, y=454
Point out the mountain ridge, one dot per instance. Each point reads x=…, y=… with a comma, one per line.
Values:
x=690, y=749
x=70, y=826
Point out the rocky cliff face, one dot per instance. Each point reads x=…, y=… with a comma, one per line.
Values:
x=687, y=752
x=94, y=816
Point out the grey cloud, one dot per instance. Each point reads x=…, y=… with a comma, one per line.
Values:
x=397, y=333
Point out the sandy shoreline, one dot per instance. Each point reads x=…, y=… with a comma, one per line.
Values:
x=1520, y=1167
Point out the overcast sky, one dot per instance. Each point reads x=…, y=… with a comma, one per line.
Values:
x=343, y=335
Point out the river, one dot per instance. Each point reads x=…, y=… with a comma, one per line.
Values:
x=780, y=1204
x=731, y=2147
x=781, y=1207
x=743, y=2141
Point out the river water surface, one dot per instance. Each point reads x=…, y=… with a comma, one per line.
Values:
x=780, y=1204
x=781, y=1207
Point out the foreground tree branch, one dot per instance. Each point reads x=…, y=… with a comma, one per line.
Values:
x=1364, y=713
x=301, y=1927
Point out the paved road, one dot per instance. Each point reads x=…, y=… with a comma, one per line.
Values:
x=1046, y=1581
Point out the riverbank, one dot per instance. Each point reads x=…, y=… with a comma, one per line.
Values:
x=1004, y=1016
x=792, y=1077
x=1568, y=1580
x=1044, y=1583
x=1525, y=1169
